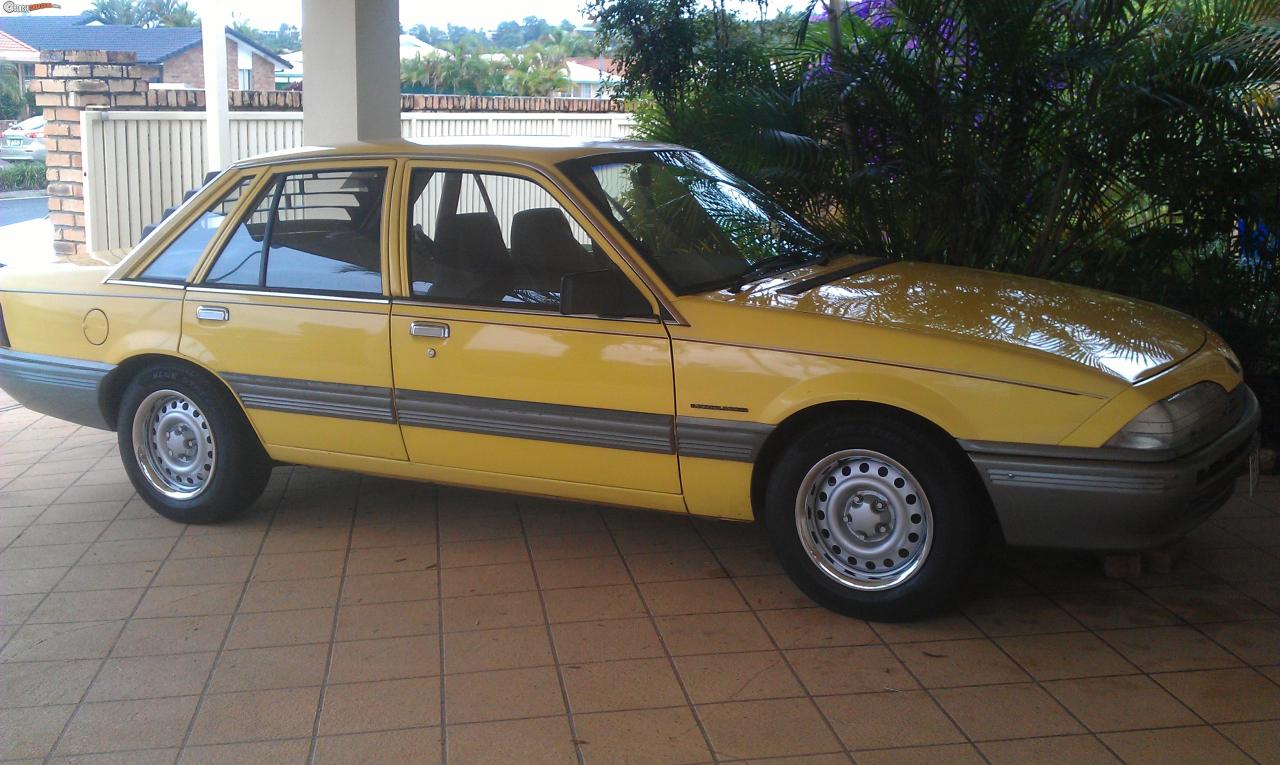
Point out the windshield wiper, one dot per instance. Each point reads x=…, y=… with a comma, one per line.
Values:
x=767, y=267
x=803, y=286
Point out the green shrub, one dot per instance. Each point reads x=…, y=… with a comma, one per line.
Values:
x=1113, y=143
x=22, y=175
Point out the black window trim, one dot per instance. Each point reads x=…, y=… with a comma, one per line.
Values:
x=272, y=184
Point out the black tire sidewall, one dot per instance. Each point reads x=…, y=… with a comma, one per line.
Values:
x=952, y=500
x=241, y=470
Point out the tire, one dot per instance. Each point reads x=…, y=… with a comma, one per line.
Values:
x=875, y=517
x=187, y=446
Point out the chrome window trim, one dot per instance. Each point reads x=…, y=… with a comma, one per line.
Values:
x=142, y=283
x=302, y=295
x=424, y=303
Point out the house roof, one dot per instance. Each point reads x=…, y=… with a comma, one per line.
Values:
x=599, y=63
x=13, y=49
x=152, y=45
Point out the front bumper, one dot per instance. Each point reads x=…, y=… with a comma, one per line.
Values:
x=55, y=385
x=1090, y=499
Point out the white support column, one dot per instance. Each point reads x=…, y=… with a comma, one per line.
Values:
x=351, y=89
x=213, y=25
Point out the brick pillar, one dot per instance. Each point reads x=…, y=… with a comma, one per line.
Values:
x=66, y=83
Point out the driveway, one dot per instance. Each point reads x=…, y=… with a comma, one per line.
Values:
x=22, y=207
x=354, y=619
x=26, y=236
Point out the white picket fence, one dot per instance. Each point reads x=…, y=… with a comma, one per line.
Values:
x=136, y=164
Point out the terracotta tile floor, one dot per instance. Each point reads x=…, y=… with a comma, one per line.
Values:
x=359, y=620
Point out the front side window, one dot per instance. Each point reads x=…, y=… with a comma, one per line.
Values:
x=317, y=231
x=698, y=225
x=495, y=240
x=177, y=260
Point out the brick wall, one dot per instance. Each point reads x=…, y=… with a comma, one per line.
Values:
x=233, y=61
x=65, y=83
x=264, y=73
x=187, y=67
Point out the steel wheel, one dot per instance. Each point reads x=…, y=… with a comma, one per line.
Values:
x=864, y=520
x=174, y=444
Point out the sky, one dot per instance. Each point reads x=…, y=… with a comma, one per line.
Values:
x=270, y=14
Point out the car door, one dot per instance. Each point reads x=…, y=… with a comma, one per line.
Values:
x=292, y=311
x=490, y=376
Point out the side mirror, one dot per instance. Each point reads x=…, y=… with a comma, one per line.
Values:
x=601, y=293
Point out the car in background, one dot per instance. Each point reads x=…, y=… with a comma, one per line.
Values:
x=24, y=141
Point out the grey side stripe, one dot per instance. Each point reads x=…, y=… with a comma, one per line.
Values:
x=720, y=439
x=585, y=426
x=323, y=399
x=53, y=370
x=610, y=428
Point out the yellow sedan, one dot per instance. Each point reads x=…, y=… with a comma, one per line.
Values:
x=627, y=323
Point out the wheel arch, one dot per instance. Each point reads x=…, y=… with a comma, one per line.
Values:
x=111, y=390
x=811, y=416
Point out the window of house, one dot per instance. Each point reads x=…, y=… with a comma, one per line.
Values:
x=246, y=79
x=317, y=231
x=487, y=239
x=177, y=260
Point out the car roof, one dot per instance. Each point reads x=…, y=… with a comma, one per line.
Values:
x=28, y=123
x=536, y=150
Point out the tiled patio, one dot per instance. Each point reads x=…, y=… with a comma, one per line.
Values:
x=359, y=620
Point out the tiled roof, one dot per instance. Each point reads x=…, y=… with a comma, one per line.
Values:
x=13, y=49
x=599, y=63
x=152, y=46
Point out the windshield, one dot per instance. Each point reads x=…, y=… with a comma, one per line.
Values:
x=699, y=226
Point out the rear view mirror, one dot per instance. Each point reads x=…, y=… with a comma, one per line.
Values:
x=602, y=293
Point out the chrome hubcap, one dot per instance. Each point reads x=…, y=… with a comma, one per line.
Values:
x=174, y=444
x=864, y=520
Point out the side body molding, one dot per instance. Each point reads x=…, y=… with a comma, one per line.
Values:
x=323, y=399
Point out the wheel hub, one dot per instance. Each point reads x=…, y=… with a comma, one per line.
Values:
x=174, y=444
x=863, y=519
x=867, y=517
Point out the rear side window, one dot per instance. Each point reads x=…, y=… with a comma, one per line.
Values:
x=316, y=231
x=177, y=260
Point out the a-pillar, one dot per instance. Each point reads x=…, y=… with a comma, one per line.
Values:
x=351, y=51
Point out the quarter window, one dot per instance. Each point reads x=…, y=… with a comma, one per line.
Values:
x=489, y=239
x=317, y=231
x=177, y=260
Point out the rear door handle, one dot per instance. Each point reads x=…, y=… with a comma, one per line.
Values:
x=428, y=329
x=212, y=313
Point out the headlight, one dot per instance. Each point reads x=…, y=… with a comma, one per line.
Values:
x=1187, y=419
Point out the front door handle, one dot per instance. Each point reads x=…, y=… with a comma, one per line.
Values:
x=428, y=329
x=212, y=313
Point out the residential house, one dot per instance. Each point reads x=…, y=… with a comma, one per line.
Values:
x=589, y=76
x=178, y=51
